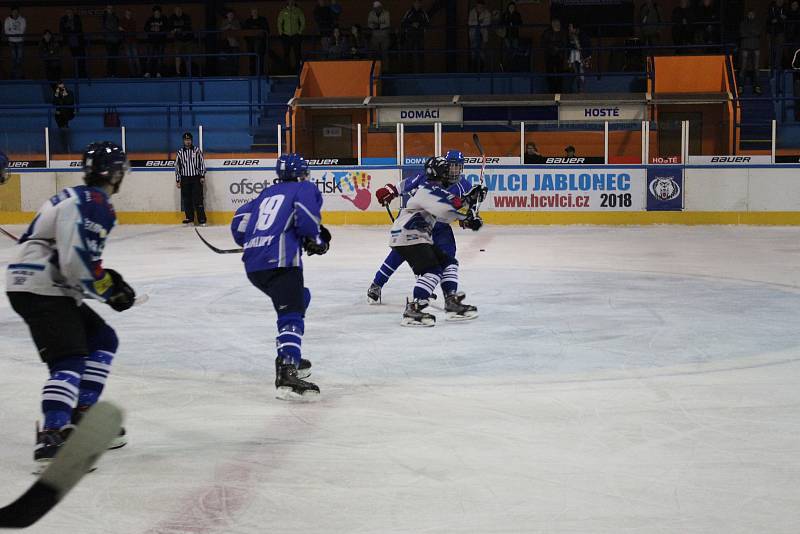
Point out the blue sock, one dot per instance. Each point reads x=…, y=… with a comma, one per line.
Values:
x=103, y=344
x=426, y=284
x=450, y=279
x=60, y=392
x=290, y=338
x=390, y=265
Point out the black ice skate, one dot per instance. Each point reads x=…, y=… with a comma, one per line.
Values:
x=455, y=310
x=290, y=387
x=374, y=294
x=414, y=316
x=117, y=443
x=303, y=370
x=48, y=442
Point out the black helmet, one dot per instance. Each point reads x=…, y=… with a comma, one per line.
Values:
x=437, y=168
x=104, y=163
x=187, y=135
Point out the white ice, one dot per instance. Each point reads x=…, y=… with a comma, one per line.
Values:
x=617, y=380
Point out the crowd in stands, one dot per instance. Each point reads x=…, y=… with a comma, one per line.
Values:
x=169, y=44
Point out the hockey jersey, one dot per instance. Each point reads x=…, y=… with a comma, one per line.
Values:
x=428, y=205
x=60, y=253
x=407, y=187
x=271, y=227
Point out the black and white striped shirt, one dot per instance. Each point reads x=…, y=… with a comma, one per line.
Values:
x=189, y=162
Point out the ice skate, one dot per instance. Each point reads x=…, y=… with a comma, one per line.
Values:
x=117, y=443
x=303, y=370
x=374, y=294
x=455, y=310
x=290, y=387
x=414, y=316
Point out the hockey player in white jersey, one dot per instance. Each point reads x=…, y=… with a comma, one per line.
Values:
x=411, y=237
x=58, y=263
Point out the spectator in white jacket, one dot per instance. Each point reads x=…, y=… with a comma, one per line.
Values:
x=379, y=23
x=479, y=21
x=14, y=28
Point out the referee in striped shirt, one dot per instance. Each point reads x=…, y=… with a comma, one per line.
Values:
x=190, y=175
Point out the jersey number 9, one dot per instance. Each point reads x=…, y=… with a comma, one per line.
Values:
x=268, y=211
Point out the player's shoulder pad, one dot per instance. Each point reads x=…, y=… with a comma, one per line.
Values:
x=95, y=206
x=308, y=189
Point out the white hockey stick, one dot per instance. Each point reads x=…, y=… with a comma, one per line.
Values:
x=80, y=452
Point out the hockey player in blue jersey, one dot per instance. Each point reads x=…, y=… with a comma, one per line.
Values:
x=442, y=235
x=411, y=237
x=274, y=229
x=58, y=263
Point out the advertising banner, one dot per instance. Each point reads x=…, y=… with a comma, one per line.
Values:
x=572, y=189
x=665, y=188
x=730, y=160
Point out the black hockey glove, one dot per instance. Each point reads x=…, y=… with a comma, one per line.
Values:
x=473, y=222
x=324, y=234
x=313, y=248
x=122, y=295
x=476, y=195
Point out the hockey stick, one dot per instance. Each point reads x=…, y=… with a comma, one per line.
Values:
x=80, y=452
x=389, y=211
x=479, y=146
x=215, y=249
x=8, y=234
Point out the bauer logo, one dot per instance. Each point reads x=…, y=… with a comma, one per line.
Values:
x=241, y=162
x=565, y=161
x=153, y=163
x=665, y=189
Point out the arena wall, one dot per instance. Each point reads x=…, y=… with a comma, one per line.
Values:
x=755, y=194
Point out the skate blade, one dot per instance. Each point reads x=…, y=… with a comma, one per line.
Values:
x=118, y=443
x=288, y=394
x=412, y=323
x=41, y=465
x=454, y=317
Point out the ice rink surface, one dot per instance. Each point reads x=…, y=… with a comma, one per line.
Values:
x=617, y=380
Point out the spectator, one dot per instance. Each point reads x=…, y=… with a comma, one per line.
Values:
x=337, y=46
x=71, y=31
x=358, y=43
x=180, y=25
x=776, y=30
x=650, y=23
x=336, y=11
x=478, y=22
x=750, y=33
x=230, y=27
x=682, y=24
x=291, y=25
x=707, y=23
x=14, y=28
x=512, y=20
x=412, y=29
x=554, y=42
x=50, y=52
x=579, y=54
x=323, y=17
x=532, y=155
x=257, y=41
x=156, y=28
x=569, y=152
x=64, y=103
x=113, y=38
x=131, y=43
x=379, y=22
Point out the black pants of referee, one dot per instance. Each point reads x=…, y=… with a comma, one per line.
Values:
x=192, y=197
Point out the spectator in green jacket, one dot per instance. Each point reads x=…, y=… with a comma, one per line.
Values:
x=291, y=25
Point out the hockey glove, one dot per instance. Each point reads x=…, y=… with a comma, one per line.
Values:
x=473, y=222
x=315, y=246
x=476, y=195
x=385, y=195
x=122, y=295
x=324, y=234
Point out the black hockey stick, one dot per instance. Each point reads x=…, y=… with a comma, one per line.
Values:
x=389, y=211
x=83, y=448
x=8, y=234
x=479, y=146
x=215, y=249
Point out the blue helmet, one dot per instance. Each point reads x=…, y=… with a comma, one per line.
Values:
x=104, y=163
x=291, y=168
x=456, y=160
x=3, y=168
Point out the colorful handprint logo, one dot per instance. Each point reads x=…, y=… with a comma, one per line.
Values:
x=357, y=183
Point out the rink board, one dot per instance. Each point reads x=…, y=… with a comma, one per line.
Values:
x=604, y=195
